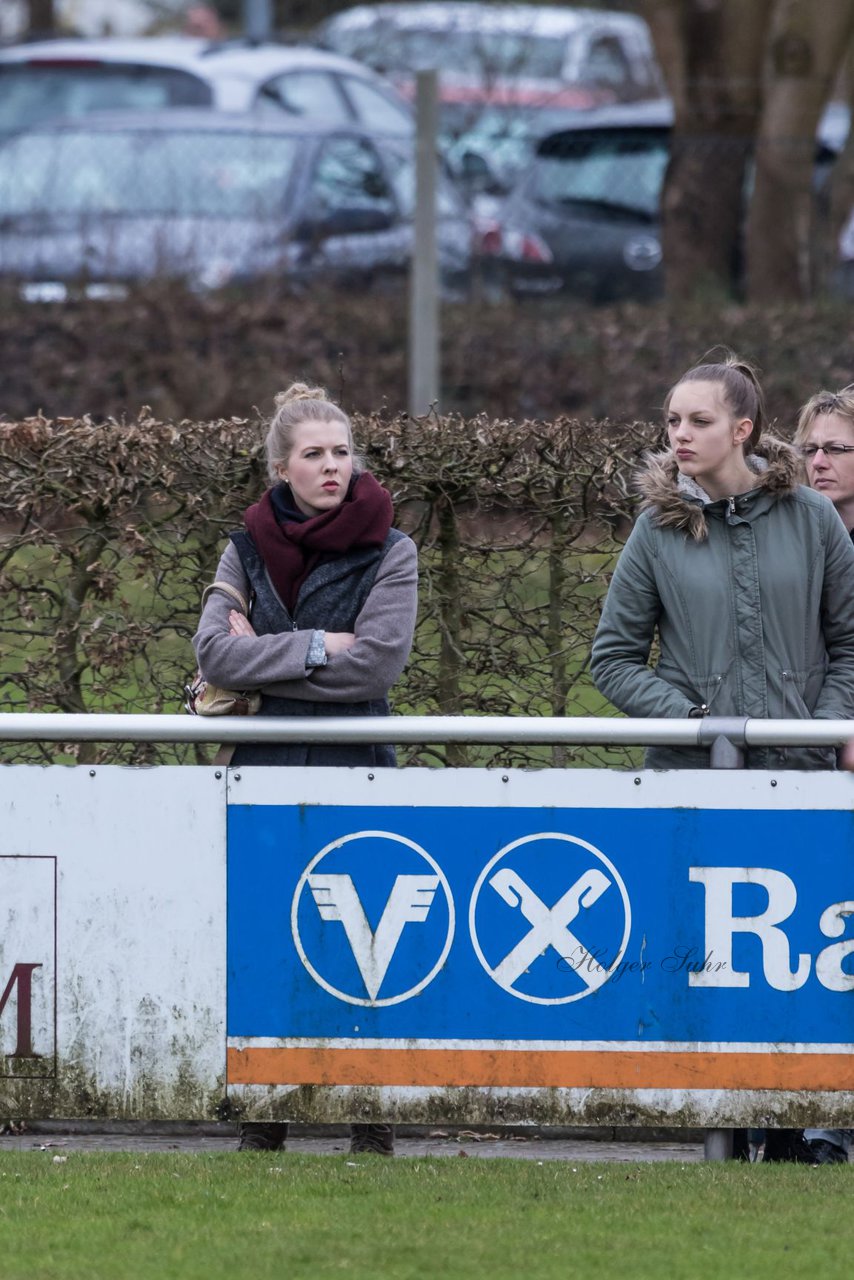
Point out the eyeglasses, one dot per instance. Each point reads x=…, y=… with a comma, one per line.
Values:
x=829, y=450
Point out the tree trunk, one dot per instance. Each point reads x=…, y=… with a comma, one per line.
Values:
x=717, y=98
x=665, y=23
x=41, y=18
x=808, y=44
x=836, y=200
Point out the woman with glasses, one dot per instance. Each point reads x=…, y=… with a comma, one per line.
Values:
x=825, y=436
x=744, y=574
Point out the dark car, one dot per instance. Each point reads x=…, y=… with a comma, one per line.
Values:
x=214, y=199
x=584, y=215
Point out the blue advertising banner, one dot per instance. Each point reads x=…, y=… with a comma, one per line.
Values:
x=473, y=922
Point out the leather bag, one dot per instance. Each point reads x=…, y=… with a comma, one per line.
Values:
x=201, y=698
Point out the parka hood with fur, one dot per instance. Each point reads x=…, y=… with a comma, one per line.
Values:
x=676, y=501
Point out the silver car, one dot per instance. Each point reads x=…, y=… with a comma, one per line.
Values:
x=212, y=199
x=54, y=79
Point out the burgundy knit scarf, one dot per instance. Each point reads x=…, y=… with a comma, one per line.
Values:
x=291, y=549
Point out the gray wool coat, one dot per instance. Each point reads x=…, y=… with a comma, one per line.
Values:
x=355, y=682
x=752, y=601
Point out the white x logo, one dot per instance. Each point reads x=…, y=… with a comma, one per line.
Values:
x=548, y=924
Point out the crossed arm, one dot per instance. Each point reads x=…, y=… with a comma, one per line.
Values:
x=360, y=666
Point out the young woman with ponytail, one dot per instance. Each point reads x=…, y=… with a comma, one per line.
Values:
x=741, y=571
x=744, y=575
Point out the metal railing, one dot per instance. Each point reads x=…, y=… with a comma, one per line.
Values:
x=570, y=730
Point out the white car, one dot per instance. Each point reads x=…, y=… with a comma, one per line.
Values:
x=502, y=55
x=69, y=78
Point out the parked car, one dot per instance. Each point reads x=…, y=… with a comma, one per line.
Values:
x=583, y=216
x=505, y=55
x=67, y=78
x=214, y=199
x=488, y=158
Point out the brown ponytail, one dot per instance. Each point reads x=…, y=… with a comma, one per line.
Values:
x=742, y=391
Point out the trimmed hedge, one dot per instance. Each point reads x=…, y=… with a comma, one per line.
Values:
x=112, y=529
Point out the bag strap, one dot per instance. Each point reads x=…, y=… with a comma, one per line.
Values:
x=229, y=590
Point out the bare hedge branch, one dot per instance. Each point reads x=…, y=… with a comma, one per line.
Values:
x=110, y=531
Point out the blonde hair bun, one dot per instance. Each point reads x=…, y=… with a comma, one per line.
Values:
x=301, y=403
x=299, y=391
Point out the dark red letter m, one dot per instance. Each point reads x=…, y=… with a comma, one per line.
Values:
x=22, y=977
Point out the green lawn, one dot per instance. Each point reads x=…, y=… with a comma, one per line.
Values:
x=111, y=1217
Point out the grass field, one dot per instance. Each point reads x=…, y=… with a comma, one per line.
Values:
x=212, y=1216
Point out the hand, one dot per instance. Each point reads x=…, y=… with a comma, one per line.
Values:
x=338, y=642
x=846, y=760
x=239, y=624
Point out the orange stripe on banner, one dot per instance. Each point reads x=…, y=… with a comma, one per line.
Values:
x=459, y=1068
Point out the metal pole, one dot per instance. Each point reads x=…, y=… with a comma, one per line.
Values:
x=726, y=743
x=99, y=727
x=726, y=736
x=424, y=271
x=717, y=1144
x=258, y=20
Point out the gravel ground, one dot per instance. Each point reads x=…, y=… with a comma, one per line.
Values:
x=433, y=1142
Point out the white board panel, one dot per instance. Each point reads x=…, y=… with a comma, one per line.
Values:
x=113, y=885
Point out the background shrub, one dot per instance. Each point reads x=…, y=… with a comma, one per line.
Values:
x=215, y=356
x=112, y=529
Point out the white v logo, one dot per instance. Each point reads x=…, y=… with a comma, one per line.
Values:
x=409, y=900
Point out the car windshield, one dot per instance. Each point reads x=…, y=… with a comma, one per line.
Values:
x=523, y=123
x=508, y=136
x=31, y=92
x=621, y=169
x=484, y=54
x=216, y=175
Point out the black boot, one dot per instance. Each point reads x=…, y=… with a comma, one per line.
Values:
x=376, y=1139
x=267, y=1136
x=824, y=1152
x=741, y=1144
x=787, y=1146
